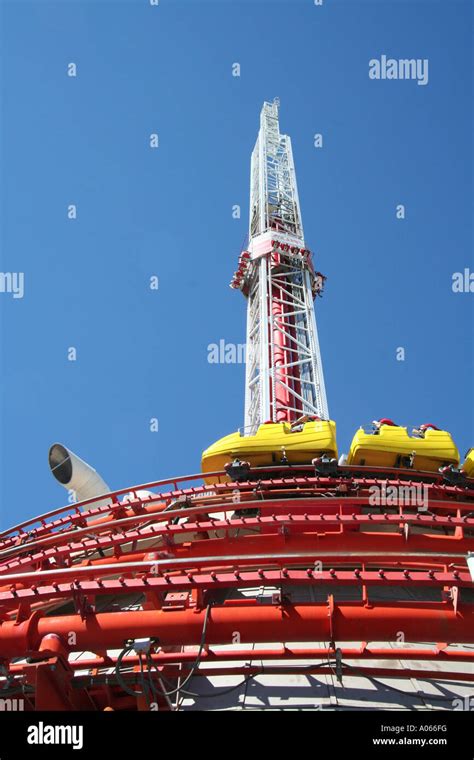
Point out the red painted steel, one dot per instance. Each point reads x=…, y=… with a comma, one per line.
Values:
x=67, y=577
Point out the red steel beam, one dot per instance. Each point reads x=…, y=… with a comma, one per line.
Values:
x=282, y=653
x=419, y=621
x=247, y=549
x=216, y=580
x=253, y=671
x=297, y=522
x=434, y=490
x=356, y=471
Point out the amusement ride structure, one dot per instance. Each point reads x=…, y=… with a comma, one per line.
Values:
x=279, y=560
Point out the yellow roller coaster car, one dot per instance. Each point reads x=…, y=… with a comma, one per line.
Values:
x=391, y=446
x=272, y=444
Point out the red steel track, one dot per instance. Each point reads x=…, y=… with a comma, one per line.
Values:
x=185, y=568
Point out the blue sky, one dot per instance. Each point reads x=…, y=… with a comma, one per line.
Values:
x=168, y=212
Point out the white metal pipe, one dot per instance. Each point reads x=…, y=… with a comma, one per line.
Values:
x=76, y=475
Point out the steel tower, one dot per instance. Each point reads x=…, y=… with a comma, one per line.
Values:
x=284, y=377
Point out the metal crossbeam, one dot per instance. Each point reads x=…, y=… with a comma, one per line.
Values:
x=280, y=287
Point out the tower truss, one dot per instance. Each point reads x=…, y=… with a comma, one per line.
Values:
x=284, y=377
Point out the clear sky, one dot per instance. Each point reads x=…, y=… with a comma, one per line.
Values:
x=143, y=354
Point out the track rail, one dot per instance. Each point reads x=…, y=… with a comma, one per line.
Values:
x=286, y=556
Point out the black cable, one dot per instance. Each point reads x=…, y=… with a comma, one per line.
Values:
x=142, y=680
x=150, y=681
x=196, y=663
x=122, y=683
x=305, y=668
x=300, y=669
x=126, y=651
x=118, y=675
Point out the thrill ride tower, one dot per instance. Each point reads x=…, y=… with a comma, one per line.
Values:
x=284, y=377
x=278, y=576
x=286, y=410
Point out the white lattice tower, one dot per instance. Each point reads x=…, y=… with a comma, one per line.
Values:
x=284, y=375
